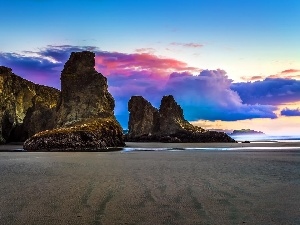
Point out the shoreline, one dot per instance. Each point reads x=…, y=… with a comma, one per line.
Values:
x=255, y=146
x=210, y=145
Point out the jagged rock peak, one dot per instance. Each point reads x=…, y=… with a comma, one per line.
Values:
x=143, y=117
x=169, y=107
x=171, y=117
x=136, y=101
x=84, y=91
x=80, y=62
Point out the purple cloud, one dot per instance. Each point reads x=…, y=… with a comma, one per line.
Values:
x=37, y=69
x=268, y=91
x=290, y=112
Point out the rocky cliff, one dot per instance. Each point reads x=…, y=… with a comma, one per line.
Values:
x=18, y=100
x=168, y=124
x=84, y=91
x=85, y=118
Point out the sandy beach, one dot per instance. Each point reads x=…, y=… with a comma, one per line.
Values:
x=152, y=187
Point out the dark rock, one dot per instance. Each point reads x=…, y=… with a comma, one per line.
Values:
x=85, y=118
x=84, y=91
x=171, y=119
x=168, y=126
x=143, y=117
x=17, y=101
x=88, y=135
x=205, y=136
x=38, y=118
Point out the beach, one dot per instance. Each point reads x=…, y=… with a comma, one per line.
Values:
x=174, y=186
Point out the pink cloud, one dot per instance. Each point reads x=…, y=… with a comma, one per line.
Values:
x=289, y=71
x=253, y=78
x=286, y=74
x=145, y=63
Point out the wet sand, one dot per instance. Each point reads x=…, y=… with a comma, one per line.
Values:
x=151, y=187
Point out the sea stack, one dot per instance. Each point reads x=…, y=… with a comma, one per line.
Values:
x=166, y=124
x=143, y=117
x=85, y=113
x=26, y=108
x=84, y=93
x=171, y=118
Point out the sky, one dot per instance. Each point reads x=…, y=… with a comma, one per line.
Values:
x=230, y=64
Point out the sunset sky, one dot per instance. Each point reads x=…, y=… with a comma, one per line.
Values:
x=230, y=64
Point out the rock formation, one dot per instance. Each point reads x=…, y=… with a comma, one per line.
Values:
x=171, y=119
x=143, y=118
x=84, y=91
x=167, y=124
x=18, y=100
x=87, y=135
x=85, y=118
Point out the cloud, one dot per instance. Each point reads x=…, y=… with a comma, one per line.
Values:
x=289, y=71
x=253, y=78
x=145, y=50
x=208, y=94
x=286, y=74
x=290, y=112
x=188, y=45
x=282, y=125
x=274, y=91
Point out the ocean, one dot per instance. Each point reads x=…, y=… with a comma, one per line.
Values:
x=267, y=138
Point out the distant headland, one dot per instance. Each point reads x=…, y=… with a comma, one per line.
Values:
x=246, y=132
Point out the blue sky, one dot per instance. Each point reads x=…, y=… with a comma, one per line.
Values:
x=122, y=25
x=251, y=41
x=240, y=36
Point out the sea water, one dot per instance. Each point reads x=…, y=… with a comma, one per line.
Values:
x=267, y=138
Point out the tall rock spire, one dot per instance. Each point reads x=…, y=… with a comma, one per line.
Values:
x=84, y=92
